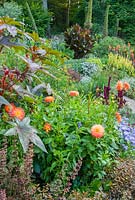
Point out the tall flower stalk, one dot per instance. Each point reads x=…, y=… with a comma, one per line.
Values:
x=107, y=91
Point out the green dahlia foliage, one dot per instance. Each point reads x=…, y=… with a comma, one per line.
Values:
x=70, y=139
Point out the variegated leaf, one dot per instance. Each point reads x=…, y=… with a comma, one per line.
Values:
x=12, y=30
x=3, y=101
x=6, y=41
x=24, y=139
x=49, y=89
x=47, y=73
x=2, y=26
x=12, y=123
x=38, y=87
x=41, y=52
x=32, y=65
x=25, y=121
x=37, y=141
x=11, y=131
x=22, y=92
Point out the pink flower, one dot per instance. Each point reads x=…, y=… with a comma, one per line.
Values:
x=49, y=99
x=119, y=86
x=126, y=86
x=74, y=93
x=97, y=131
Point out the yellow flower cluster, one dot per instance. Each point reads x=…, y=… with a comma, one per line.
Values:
x=119, y=62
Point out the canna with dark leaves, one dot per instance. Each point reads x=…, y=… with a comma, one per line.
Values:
x=79, y=40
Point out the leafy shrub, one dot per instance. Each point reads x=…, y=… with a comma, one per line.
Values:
x=119, y=62
x=96, y=61
x=101, y=48
x=75, y=64
x=91, y=85
x=87, y=68
x=59, y=44
x=70, y=138
x=11, y=9
x=90, y=73
x=42, y=18
x=79, y=40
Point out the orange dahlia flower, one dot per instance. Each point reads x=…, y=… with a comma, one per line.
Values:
x=9, y=108
x=18, y=113
x=97, y=131
x=118, y=117
x=119, y=86
x=47, y=127
x=49, y=99
x=74, y=93
x=126, y=86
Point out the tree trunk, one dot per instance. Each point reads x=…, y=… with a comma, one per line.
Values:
x=45, y=4
x=45, y=7
x=105, y=29
x=117, y=27
x=32, y=18
x=88, y=19
x=68, y=12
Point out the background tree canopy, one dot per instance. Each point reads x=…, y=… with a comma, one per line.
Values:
x=61, y=14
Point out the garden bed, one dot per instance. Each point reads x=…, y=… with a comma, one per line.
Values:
x=64, y=137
